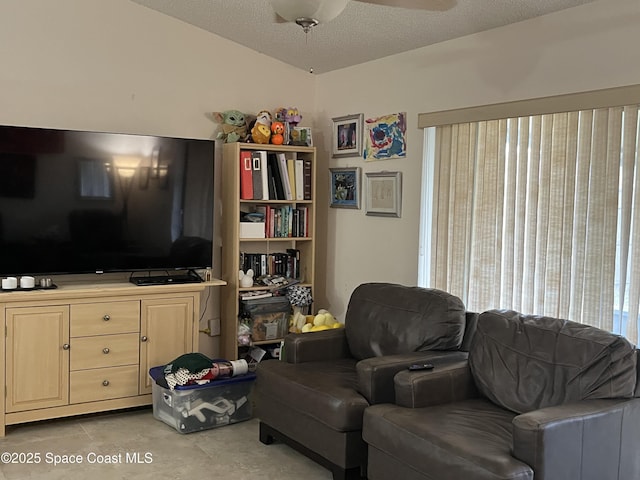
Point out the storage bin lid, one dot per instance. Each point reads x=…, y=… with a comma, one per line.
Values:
x=157, y=373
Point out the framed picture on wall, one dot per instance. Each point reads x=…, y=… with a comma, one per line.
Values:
x=345, y=187
x=347, y=136
x=385, y=137
x=384, y=194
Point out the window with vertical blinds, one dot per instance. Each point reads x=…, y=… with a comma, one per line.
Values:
x=541, y=214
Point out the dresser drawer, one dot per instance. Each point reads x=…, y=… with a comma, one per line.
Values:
x=104, y=351
x=103, y=384
x=104, y=318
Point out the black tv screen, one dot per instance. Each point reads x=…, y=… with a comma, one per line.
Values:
x=92, y=202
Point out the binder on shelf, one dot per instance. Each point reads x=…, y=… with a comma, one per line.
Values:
x=260, y=163
x=299, y=179
x=271, y=182
x=246, y=176
x=277, y=178
x=291, y=170
x=284, y=176
x=265, y=179
x=256, y=169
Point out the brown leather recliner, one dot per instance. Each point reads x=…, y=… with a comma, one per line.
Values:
x=539, y=398
x=314, y=398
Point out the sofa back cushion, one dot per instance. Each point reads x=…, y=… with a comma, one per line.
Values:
x=390, y=319
x=526, y=362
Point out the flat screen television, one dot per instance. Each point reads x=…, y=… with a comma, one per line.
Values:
x=91, y=202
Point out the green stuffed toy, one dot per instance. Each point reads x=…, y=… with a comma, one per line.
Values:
x=234, y=126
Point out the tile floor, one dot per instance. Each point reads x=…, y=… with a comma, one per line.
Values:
x=230, y=452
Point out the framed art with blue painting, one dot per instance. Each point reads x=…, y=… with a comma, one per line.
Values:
x=385, y=137
x=345, y=187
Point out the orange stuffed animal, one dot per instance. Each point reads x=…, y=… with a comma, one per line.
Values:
x=277, y=133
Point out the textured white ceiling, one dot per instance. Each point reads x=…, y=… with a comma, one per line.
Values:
x=362, y=32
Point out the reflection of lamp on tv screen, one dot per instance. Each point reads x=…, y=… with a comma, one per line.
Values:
x=82, y=202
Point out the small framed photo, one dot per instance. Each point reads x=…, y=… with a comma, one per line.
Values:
x=345, y=187
x=384, y=194
x=347, y=136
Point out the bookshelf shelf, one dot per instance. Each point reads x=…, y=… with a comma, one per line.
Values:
x=277, y=239
x=276, y=202
x=233, y=246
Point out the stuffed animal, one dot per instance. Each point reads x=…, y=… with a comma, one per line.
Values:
x=261, y=128
x=280, y=115
x=277, y=133
x=324, y=320
x=264, y=117
x=234, y=126
x=260, y=133
x=293, y=117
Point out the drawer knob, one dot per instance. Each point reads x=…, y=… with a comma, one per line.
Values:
x=106, y=318
x=66, y=346
x=144, y=338
x=105, y=383
x=105, y=350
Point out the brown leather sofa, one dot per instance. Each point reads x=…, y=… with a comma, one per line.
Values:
x=539, y=398
x=314, y=398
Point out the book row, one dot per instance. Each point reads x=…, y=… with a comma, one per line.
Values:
x=286, y=263
x=284, y=221
x=272, y=176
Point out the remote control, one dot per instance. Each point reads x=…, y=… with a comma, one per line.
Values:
x=421, y=366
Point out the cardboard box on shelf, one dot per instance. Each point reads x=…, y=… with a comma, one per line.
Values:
x=252, y=230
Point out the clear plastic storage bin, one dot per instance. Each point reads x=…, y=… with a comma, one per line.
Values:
x=192, y=408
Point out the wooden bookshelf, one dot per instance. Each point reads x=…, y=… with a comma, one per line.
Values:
x=233, y=245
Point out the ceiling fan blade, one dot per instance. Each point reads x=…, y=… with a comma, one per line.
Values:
x=278, y=19
x=437, y=5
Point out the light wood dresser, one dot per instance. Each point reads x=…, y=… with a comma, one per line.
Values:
x=88, y=347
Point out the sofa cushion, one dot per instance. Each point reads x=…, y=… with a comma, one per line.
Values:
x=324, y=391
x=391, y=319
x=470, y=439
x=527, y=362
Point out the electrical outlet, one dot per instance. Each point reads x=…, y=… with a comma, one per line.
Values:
x=214, y=327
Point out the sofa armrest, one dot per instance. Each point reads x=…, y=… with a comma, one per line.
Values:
x=316, y=346
x=376, y=374
x=595, y=436
x=448, y=382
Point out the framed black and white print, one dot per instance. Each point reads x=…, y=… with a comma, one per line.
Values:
x=383, y=194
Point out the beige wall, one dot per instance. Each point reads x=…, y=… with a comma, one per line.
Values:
x=117, y=66
x=585, y=48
